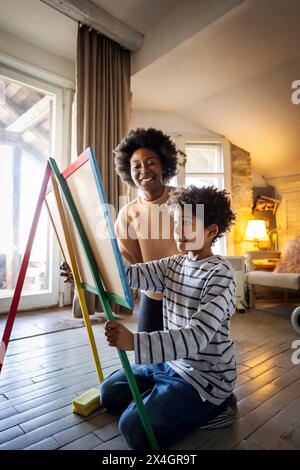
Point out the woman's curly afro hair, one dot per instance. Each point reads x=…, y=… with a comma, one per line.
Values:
x=153, y=139
x=217, y=207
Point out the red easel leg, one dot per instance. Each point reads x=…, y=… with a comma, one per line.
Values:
x=19, y=286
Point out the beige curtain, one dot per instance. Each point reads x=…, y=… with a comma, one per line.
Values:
x=103, y=108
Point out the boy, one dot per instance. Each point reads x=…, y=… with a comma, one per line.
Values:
x=186, y=373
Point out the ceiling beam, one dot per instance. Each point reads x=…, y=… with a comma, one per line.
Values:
x=17, y=110
x=32, y=116
x=86, y=12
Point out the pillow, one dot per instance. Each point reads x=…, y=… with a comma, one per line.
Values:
x=290, y=261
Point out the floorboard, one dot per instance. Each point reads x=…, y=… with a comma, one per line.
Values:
x=46, y=368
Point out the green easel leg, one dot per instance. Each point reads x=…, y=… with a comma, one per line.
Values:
x=132, y=383
x=105, y=303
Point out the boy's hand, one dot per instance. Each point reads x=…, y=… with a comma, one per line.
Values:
x=119, y=336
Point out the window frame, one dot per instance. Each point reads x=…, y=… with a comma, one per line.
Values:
x=29, y=301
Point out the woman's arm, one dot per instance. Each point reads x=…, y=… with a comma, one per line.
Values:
x=127, y=239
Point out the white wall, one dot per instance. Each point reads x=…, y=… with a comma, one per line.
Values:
x=170, y=123
x=181, y=130
x=32, y=59
x=258, y=180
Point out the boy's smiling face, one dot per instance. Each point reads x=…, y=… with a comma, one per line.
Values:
x=190, y=234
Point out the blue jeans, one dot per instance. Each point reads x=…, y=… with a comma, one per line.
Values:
x=174, y=407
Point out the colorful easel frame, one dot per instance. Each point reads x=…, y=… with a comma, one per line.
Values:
x=98, y=288
x=83, y=181
x=59, y=222
x=22, y=274
x=104, y=296
x=67, y=249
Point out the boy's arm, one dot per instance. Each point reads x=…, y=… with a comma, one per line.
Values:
x=190, y=340
x=148, y=276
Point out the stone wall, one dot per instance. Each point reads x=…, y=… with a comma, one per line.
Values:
x=242, y=198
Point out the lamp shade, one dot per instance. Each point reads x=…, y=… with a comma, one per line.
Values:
x=256, y=230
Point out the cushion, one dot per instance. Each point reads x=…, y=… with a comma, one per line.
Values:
x=290, y=261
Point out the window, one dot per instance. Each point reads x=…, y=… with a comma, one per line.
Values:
x=30, y=112
x=204, y=165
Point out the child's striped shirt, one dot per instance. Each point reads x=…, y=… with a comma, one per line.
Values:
x=198, y=302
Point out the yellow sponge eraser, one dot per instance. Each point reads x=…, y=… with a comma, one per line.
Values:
x=86, y=403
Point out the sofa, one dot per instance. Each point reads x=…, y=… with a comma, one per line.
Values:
x=277, y=280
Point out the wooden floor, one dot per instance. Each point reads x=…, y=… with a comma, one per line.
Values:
x=42, y=374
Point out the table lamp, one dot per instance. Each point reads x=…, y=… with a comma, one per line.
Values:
x=256, y=231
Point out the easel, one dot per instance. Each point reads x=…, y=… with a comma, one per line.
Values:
x=59, y=186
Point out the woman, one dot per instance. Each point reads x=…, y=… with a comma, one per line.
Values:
x=146, y=159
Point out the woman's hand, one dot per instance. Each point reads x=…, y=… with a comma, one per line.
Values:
x=66, y=272
x=119, y=336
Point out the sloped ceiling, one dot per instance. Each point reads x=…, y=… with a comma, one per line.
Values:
x=37, y=23
x=234, y=77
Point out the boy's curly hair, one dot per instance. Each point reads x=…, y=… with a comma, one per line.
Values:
x=217, y=207
x=153, y=139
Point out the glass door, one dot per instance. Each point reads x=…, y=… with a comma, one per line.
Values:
x=30, y=115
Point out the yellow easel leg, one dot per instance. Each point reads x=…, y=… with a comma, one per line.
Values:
x=77, y=280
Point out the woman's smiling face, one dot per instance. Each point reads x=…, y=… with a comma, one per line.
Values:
x=146, y=170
